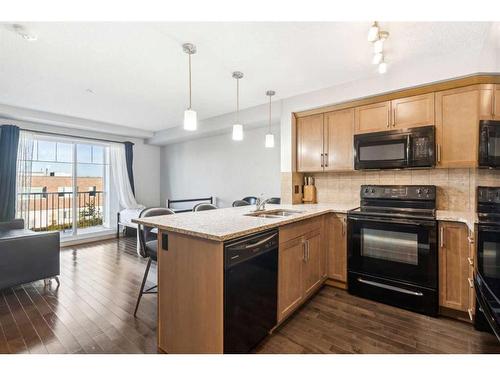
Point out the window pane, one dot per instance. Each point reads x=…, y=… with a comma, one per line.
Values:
x=64, y=152
x=90, y=170
x=84, y=153
x=46, y=151
x=97, y=154
x=40, y=168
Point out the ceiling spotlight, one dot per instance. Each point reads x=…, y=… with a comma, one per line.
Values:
x=24, y=33
x=377, y=58
x=378, y=46
x=373, y=32
x=382, y=67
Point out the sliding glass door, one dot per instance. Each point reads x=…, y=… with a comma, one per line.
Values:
x=63, y=185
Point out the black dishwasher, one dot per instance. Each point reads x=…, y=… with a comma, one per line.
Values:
x=250, y=290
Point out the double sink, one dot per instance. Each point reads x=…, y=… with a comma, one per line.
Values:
x=273, y=214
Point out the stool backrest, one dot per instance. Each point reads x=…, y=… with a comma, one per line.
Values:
x=145, y=234
x=204, y=207
x=240, y=203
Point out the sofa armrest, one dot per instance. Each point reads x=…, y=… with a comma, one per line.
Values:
x=14, y=224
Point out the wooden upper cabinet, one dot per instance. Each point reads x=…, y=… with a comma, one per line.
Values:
x=413, y=111
x=489, y=102
x=310, y=143
x=339, y=131
x=372, y=118
x=454, y=283
x=457, y=127
x=337, y=248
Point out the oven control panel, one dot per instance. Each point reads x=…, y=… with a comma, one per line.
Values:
x=407, y=192
x=488, y=194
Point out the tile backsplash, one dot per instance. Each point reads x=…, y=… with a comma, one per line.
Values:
x=456, y=187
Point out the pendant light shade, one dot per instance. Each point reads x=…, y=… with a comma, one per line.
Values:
x=269, y=140
x=190, y=116
x=237, y=132
x=190, y=120
x=237, y=127
x=270, y=136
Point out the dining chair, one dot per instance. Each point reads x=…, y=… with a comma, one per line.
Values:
x=204, y=207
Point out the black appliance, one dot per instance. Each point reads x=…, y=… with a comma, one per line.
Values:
x=250, y=290
x=487, y=276
x=489, y=144
x=392, y=253
x=408, y=148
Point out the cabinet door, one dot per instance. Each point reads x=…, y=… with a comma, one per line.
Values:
x=372, y=118
x=310, y=143
x=489, y=102
x=339, y=130
x=312, y=267
x=457, y=127
x=291, y=257
x=413, y=111
x=337, y=248
x=454, y=286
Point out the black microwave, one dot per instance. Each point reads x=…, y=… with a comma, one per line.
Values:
x=489, y=144
x=396, y=149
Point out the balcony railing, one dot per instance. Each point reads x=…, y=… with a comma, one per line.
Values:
x=54, y=211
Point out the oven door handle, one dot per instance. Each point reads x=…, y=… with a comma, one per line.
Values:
x=425, y=223
x=390, y=287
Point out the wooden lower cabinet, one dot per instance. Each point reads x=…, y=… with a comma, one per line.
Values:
x=301, y=264
x=312, y=266
x=337, y=248
x=455, y=268
x=291, y=257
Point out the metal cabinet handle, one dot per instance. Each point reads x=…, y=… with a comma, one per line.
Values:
x=389, y=115
x=303, y=250
x=307, y=251
x=471, y=262
x=343, y=227
x=441, y=237
x=438, y=147
x=471, y=317
x=471, y=283
x=326, y=159
x=322, y=160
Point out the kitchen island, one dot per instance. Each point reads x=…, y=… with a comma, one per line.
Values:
x=191, y=267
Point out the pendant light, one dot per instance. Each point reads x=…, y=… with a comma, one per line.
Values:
x=269, y=135
x=237, y=127
x=190, y=116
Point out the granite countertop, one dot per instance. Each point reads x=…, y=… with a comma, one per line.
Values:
x=227, y=223
x=467, y=217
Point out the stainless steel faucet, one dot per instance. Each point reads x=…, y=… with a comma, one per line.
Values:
x=260, y=204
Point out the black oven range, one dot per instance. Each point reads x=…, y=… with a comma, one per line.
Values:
x=392, y=251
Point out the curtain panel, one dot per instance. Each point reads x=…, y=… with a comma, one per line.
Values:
x=121, y=178
x=9, y=141
x=129, y=158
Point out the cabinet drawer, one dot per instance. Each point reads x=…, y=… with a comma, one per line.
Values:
x=300, y=228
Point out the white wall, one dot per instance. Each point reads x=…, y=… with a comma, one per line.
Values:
x=218, y=166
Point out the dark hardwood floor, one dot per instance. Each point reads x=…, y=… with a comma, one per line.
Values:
x=91, y=312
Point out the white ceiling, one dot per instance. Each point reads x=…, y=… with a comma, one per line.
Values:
x=138, y=72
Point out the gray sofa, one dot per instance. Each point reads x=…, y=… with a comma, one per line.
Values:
x=27, y=256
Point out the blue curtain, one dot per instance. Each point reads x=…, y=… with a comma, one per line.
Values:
x=9, y=141
x=129, y=158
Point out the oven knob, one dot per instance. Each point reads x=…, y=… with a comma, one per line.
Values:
x=373, y=191
x=419, y=191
